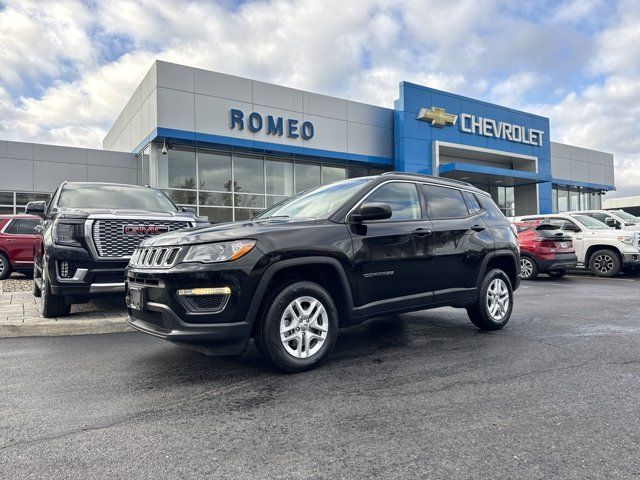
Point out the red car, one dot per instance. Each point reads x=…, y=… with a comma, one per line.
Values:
x=17, y=235
x=544, y=248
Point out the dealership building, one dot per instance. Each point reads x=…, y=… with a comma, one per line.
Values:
x=231, y=146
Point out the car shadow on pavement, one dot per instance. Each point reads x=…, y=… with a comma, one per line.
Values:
x=442, y=329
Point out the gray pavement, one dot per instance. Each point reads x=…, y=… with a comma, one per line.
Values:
x=20, y=317
x=556, y=394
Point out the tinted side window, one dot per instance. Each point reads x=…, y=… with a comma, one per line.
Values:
x=26, y=227
x=472, y=202
x=600, y=216
x=563, y=224
x=403, y=199
x=443, y=202
x=493, y=212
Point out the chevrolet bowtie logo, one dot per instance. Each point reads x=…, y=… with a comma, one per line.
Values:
x=437, y=116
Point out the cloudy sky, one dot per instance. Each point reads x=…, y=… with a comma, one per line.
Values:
x=68, y=67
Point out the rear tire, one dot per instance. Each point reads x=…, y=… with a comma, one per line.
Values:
x=51, y=305
x=299, y=328
x=604, y=263
x=528, y=268
x=493, y=308
x=557, y=273
x=5, y=267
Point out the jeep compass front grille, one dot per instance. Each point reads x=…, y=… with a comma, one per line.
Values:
x=155, y=257
x=119, y=238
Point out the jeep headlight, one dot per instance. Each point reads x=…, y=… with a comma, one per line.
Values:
x=219, y=252
x=67, y=234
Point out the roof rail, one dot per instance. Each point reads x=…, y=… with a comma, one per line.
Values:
x=422, y=175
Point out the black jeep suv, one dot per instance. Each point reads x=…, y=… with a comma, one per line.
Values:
x=330, y=257
x=87, y=236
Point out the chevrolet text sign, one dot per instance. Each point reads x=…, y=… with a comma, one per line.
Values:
x=506, y=131
x=477, y=125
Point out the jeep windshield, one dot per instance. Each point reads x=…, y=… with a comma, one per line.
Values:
x=590, y=223
x=319, y=202
x=114, y=197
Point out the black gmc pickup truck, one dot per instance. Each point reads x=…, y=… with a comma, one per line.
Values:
x=331, y=257
x=87, y=236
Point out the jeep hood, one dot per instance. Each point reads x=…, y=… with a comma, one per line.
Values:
x=226, y=231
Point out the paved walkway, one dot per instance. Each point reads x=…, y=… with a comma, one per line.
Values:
x=19, y=315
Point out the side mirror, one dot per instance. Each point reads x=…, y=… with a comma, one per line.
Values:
x=371, y=211
x=36, y=208
x=189, y=209
x=611, y=222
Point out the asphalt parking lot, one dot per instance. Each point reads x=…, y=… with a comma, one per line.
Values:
x=425, y=395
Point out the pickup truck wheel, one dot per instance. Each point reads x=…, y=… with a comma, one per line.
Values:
x=605, y=263
x=528, y=268
x=5, y=267
x=299, y=328
x=51, y=305
x=493, y=308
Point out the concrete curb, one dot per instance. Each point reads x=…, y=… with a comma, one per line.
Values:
x=56, y=328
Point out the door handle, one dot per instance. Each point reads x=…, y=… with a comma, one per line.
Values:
x=421, y=232
x=477, y=228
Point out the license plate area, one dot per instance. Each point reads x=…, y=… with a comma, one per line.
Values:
x=135, y=298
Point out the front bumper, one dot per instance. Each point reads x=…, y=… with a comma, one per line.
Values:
x=165, y=313
x=90, y=277
x=631, y=259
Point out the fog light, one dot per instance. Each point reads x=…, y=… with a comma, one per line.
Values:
x=205, y=291
x=66, y=269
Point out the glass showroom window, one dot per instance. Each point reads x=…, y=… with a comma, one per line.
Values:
x=248, y=185
x=505, y=199
x=14, y=202
x=215, y=178
x=563, y=200
x=177, y=173
x=332, y=174
x=307, y=175
x=142, y=161
x=278, y=180
x=574, y=200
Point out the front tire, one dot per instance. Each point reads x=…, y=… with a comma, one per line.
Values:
x=51, y=305
x=5, y=267
x=605, y=263
x=36, y=289
x=528, y=268
x=299, y=328
x=493, y=308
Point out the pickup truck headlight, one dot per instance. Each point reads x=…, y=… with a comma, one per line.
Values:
x=67, y=234
x=219, y=252
x=628, y=240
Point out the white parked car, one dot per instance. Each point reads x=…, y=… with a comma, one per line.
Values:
x=618, y=219
x=604, y=250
